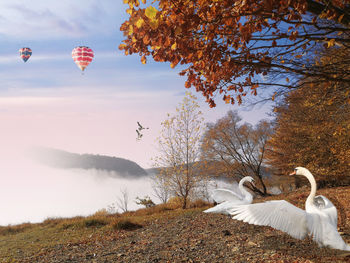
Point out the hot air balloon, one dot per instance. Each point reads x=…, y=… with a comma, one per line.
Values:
x=82, y=56
x=25, y=53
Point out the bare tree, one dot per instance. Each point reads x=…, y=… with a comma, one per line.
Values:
x=238, y=149
x=160, y=189
x=123, y=200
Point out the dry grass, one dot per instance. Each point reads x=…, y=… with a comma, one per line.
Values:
x=9, y=230
x=104, y=219
x=25, y=240
x=32, y=239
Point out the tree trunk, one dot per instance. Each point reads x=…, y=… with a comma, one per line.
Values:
x=184, y=203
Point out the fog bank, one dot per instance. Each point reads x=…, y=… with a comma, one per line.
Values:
x=31, y=192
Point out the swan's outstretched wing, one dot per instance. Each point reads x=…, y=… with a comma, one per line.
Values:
x=220, y=208
x=222, y=195
x=278, y=214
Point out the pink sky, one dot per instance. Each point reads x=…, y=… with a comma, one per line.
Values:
x=48, y=102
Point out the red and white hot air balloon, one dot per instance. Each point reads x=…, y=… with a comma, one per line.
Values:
x=82, y=56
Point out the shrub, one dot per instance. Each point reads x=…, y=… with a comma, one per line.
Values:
x=146, y=201
x=11, y=230
x=175, y=202
x=102, y=212
x=52, y=221
x=199, y=204
x=125, y=224
x=94, y=222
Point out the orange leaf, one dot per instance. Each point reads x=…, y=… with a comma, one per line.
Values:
x=122, y=46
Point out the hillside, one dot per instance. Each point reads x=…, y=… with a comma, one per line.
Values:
x=162, y=234
x=66, y=160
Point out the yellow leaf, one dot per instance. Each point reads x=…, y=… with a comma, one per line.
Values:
x=143, y=59
x=151, y=12
x=143, y=1
x=200, y=54
x=131, y=30
x=340, y=18
x=154, y=24
x=139, y=22
x=134, y=39
x=331, y=43
x=173, y=47
x=282, y=61
x=129, y=11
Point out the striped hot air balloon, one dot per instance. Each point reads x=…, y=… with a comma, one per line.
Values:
x=82, y=56
x=25, y=53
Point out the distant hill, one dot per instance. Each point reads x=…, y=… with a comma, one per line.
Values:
x=66, y=160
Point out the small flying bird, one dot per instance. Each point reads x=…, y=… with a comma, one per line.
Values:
x=139, y=129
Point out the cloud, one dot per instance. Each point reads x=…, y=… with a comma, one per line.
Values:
x=25, y=22
x=56, y=19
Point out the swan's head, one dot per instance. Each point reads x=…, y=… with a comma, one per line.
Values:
x=249, y=179
x=300, y=171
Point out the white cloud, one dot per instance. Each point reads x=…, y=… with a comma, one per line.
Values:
x=39, y=19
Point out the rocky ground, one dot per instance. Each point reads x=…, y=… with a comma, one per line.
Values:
x=193, y=237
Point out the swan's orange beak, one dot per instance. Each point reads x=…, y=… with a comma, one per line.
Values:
x=293, y=173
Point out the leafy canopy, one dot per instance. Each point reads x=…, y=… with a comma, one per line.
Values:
x=235, y=47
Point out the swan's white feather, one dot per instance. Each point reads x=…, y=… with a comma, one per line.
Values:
x=222, y=195
x=227, y=198
x=319, y=219
x=220, y=208
x=324, y=232
x=330, y=210
x=278, y=214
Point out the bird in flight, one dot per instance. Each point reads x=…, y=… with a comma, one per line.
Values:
x=139, y=129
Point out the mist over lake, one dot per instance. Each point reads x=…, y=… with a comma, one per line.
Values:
x=39, y=183
x=32, y=192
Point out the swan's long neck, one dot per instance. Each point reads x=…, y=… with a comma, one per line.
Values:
x=245, y=193
x=311, y=178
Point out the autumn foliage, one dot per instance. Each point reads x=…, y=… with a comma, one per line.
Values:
x=178, y=146
x=237, y=47
x=313, y=130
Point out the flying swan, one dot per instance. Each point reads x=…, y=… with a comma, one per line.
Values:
x=319, y=219
x=228, y=199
